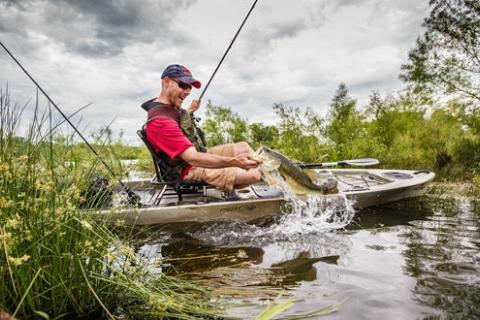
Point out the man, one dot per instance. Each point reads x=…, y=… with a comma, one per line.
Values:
x=171, y=129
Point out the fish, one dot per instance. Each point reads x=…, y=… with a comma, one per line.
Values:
x=298, y=181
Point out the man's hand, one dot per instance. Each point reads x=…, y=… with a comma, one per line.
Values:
x=193, y=106
x=247, y=161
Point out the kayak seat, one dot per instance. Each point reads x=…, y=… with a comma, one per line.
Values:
x=168, y=178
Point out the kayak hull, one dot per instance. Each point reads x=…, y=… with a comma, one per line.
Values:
x=369, y=188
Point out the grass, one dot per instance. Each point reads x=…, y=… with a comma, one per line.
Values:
x=54, y=262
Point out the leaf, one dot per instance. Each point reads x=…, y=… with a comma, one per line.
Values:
x=42, y=314
x=274, y=308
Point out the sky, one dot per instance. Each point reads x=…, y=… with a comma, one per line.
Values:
x=111, y=53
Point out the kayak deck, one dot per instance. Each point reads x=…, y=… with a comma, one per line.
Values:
x=365, y=188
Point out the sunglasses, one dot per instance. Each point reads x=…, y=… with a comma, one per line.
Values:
x=183, y=85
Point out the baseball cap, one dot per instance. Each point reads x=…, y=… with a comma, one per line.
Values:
x=180, y=73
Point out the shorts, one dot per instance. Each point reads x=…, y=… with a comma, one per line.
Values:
x=223, y=178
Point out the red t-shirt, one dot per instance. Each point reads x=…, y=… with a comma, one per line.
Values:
x=165, y=135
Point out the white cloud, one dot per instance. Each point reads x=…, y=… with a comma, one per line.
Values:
x=112, y=53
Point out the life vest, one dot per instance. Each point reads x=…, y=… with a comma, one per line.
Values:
x=185, y=121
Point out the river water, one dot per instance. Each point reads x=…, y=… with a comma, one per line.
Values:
x=413, y=259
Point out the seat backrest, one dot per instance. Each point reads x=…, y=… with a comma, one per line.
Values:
x=164, y=172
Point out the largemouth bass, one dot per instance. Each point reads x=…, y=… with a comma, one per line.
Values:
x=299, y=181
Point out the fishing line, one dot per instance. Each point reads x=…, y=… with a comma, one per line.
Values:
x=228, y=49
x=132, y=196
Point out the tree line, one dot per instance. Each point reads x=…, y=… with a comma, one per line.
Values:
x=434, y=125
x=408, y=132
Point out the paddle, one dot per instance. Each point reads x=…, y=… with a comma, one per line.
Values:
x=355, y=162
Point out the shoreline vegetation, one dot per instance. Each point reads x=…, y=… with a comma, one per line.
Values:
x=56, y=263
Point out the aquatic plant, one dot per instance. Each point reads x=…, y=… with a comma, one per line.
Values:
x=55, y=262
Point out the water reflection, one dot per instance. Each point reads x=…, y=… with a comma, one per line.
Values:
x=443, y=255
x=187, y=254
x=301, y=268
x=246, y=266
x=402, y=261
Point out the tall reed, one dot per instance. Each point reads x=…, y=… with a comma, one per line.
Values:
x=54, y=262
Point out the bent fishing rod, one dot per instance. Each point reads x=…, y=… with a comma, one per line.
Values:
x=226, y=52
x=132, y=196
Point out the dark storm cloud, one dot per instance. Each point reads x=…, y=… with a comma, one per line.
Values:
x=94, y=49
x=10, y=3
x=341, y=3
x=287, y=30
x=95, y=28
x=261, y=39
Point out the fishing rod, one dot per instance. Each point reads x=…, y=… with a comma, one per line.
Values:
x=132, y=196
x=228, y=49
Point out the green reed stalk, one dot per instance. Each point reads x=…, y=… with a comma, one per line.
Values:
x=54, y=261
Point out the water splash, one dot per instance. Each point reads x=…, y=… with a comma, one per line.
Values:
x=303, y=216
x=312, y=212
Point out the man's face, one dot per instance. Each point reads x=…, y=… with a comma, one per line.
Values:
x=177, y=91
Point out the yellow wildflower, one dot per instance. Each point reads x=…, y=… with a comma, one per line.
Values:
x=128, y=251
x=13, y=223
x=18, y=261
x=4, y=203
x=59, y=211
x=110, y=257
x=6, y=238
x=27, y=235
x=23, y=157
x=88, y=247
x=86, y=224
x=7, y=174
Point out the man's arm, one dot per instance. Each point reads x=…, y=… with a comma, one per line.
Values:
x=206, y=160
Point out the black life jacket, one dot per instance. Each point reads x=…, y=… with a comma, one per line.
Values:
x=185, y=121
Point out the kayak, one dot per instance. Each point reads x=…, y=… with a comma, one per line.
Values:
x=364, y=187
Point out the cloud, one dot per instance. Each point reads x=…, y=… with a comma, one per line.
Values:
x=112, y=53
x=99, y=28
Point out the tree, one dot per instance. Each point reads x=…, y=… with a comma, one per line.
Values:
x=447, y=56
x=345, y=123
x=299, y=133
x=261, y=134
x=223, y=125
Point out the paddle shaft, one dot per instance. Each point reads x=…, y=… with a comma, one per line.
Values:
x=356, y=162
